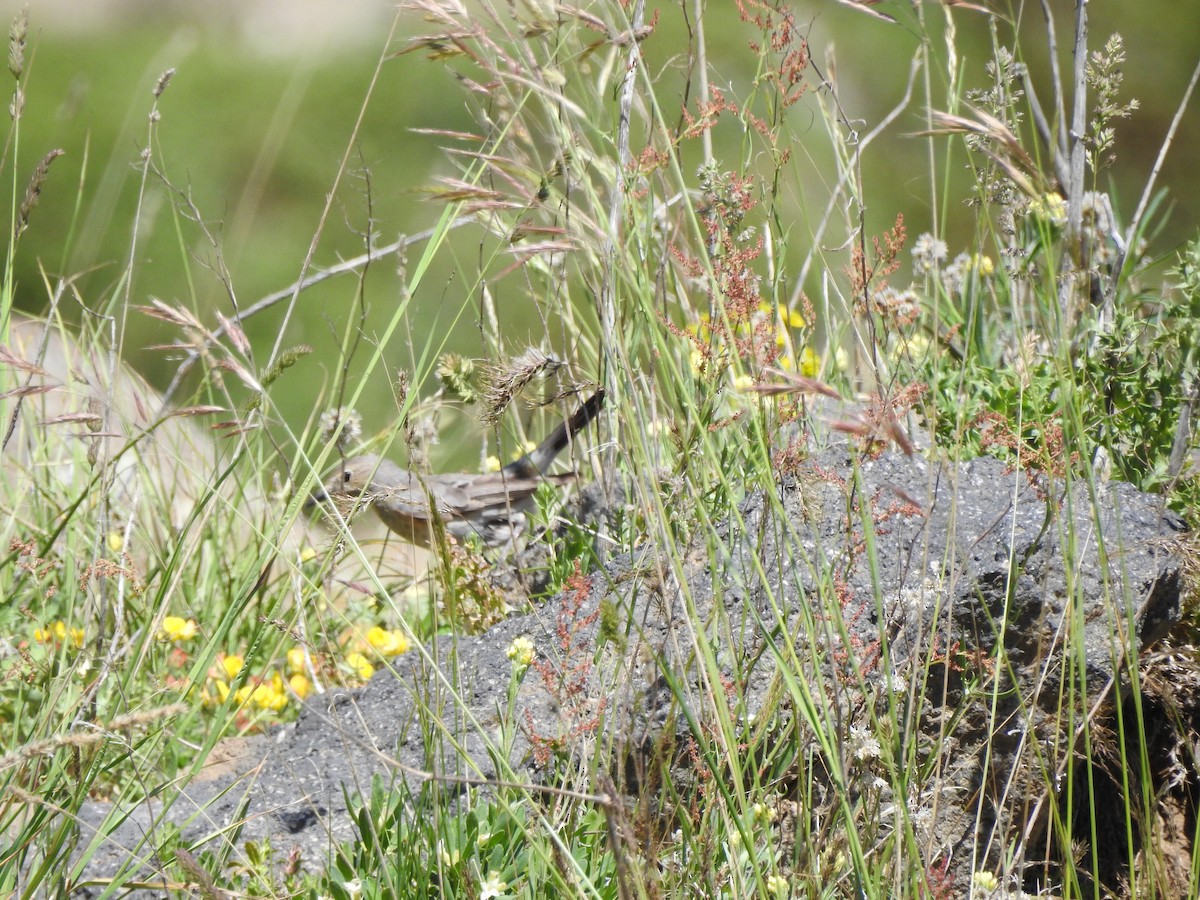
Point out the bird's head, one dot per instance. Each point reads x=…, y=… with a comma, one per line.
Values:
x=347, y=484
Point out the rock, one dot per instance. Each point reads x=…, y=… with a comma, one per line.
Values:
x=956, y=603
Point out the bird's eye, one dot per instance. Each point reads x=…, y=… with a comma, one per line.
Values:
x=346, y=477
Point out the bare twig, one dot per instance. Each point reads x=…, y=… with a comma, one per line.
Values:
x=303, y=284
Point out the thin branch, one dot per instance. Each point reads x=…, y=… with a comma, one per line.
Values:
x=302, y=284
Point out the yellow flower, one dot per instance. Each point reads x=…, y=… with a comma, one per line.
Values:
x=308, y=554
x=388, y=643
x=232, y=664
x=521, y=651
x=116, y=541
x=270, y=694
x=777, y=885
x=300, y=685
x=743, y=382
x=983, y=265
x=492, y=464
x=810, y=363
x=295, y=661
x=267, y=695
x=262, y=696
x=790, y=317
x=361, y=666
x=1050, y=206
x=59, y=633
x=764, y=812
x=985, y=881
x=175, y=628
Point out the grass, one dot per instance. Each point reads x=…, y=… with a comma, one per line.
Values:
x=711, y=263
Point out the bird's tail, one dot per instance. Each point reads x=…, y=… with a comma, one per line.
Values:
x=536, y=461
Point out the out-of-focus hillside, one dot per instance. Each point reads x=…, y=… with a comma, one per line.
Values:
x=266, y=96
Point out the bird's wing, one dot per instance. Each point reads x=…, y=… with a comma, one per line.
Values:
x=469, y=495
x=400, y=493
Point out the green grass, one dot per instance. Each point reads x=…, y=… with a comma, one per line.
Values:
x=700, y=262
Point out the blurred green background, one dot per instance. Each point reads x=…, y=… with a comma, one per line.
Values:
x=264, y=101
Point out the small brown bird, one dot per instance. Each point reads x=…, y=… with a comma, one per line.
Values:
x=490, y=505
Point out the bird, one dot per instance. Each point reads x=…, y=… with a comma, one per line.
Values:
x=489, y=505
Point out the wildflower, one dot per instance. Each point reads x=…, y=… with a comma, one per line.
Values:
x=449, y=858
x=388, y=643
x=764, y=812
x=116, y=541
x=361, y=666
x=269, y=694
x=985, y=881
x=296, y=662
x=353, y=887
x=175, y=628
x=521, y=652
x=777, y=885
x=492, y=887
x=300, y=685
x=492, y=464
x=866, y=745
x=59, y=633
x=232, y=664
x=784, y=316
x=810, y=363
x=218, y=695
x=743, y=382
x=928, y=253
x=308, y=554
x=348, y=420
x=901, y=307
x=279, y=697
x=955, y=275
x=1050, y=207
x=983, y=264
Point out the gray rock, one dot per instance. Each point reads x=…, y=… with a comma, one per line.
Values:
x=871, y=584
